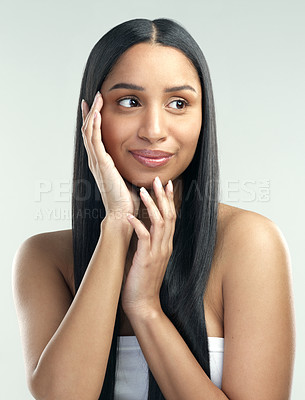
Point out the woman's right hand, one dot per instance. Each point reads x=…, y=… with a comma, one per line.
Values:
x=118, y=196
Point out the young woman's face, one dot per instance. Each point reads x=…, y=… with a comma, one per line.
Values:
x=152, y=101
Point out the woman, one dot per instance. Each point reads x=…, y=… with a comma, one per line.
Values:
x=153, y=256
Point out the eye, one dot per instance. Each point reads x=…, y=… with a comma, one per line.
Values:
x=128, y=102
x=180, y=104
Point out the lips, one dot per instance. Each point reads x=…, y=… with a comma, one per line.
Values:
x=151, y=153
x=152, y=158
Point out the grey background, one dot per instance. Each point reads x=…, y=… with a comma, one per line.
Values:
x=255, y=52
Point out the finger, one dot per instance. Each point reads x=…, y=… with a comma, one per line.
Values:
x=165, y=207
x=162, y=199
x=96, y=105
x=88, y=152
x=169, y=190
x=87, y=127
x=96, y=138
x=157, y=222
x=88, y=115
x=143, y=246
x=85, y=134
x=85, y=109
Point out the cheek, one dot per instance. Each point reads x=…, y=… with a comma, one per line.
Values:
x=111, y=132
x=188, y=135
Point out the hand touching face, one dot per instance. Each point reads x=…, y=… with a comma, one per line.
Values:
x=152, y=101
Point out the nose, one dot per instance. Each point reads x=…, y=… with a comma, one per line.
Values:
x=152, y=128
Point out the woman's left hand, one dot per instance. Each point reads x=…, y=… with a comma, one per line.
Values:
x=141, y=292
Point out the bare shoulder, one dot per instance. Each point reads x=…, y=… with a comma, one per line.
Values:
x=230, y=224
x=244, y=234
x=259, y=328
x=41, y=291
x=231, y=221
x=238, y=228
x=56, y=247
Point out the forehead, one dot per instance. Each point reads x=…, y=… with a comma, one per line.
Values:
x=153, y=63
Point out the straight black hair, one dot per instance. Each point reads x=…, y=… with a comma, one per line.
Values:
x=188, y=270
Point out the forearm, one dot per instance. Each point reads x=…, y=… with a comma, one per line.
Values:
x=176, y=370
x=74, y=362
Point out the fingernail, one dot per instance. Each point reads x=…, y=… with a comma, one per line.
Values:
x=98, y=94
x=144, y=191
x=170, y=185
x=158, y=182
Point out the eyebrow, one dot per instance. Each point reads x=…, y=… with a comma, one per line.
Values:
x=131, y=86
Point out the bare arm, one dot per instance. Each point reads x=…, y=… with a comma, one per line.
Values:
x=67, y=346
x=259, y=326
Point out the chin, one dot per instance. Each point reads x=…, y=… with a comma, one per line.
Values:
x=138, y=184
x=147, y=181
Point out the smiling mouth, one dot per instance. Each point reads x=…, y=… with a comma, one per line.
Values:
x=152, y=160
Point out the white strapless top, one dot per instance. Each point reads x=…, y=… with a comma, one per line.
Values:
x=132, y=369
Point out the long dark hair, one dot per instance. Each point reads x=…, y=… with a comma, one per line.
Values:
x=194, y=240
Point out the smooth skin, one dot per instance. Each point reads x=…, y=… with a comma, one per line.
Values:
x=170, y=120
x=251, y=270
x=155, y=115
x=141, y=290
x=117, y=198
